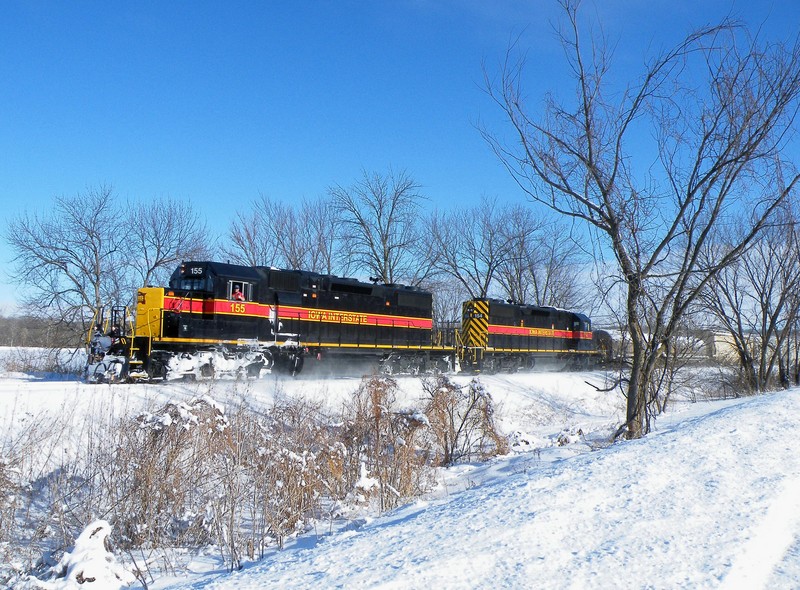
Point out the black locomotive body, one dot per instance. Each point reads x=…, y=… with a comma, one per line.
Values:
x=223, y=318
x=500, y=335
x=294, y=306
x=217, y=318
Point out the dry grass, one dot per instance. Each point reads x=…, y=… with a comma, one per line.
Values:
x=190, y=475
x=462, y=420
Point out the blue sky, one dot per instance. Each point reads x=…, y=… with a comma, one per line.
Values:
x=219, y=102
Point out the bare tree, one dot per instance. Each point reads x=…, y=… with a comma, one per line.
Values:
x=756, y=300
x=469, y=244
x=557, y=273
x=543, y=265
x=283, y=225
x=719, y=112
x=88, y=252
x=297, y=236
x=379, y=221
x=515, y=271
x=448, y=298
x=251, y=237
x=159, y=235
x=324, y=251
x=68, y=260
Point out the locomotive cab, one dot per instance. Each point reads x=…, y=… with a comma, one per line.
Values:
x=192, y=279
x=215, y=280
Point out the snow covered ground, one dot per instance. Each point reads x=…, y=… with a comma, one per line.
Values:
x=711, y=499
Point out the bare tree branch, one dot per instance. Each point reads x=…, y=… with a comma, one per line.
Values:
x=379, y=225
x=720, y=111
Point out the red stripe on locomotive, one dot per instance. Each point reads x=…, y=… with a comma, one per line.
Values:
x=538, y=332
x=285, y=312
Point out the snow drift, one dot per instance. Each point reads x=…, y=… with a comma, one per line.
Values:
x=709, y=501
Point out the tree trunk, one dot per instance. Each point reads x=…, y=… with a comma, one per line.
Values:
x=637, y=387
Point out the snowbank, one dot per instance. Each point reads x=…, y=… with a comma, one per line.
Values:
x=709, y=501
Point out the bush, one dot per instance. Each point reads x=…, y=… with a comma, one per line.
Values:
x=192, y=475
x=389, y=443
x=42, y=360
x=164, y=462
x=284, y=463
x=462, y=420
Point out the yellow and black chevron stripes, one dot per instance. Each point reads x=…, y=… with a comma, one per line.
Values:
x=475, y=323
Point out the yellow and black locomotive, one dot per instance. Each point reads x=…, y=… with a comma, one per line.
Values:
x=224, y=319
x=501, y=335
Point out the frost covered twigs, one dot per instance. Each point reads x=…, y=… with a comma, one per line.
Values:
x=196, y=475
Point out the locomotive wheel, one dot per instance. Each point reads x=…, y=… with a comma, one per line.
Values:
x=296, y=365
x=513, y=365
x=269, y=359
x=254, y=370
x=99, y=373
x=443, y=365
x=157, y=365
x=109, y=371
x=287, y=362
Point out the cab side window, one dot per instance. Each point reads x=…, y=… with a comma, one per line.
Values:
x=239, y=291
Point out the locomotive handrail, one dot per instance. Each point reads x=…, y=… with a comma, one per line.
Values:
x=92, y=325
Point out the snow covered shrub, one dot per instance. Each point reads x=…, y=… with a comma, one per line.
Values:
x=267, y=476
x=40, y=492
x=90, y=564
x=165, y=463
x=42, y=360
x=385, y=444
x=462, y=420
x=191, y=475
x=284, y=463
x=9, y=497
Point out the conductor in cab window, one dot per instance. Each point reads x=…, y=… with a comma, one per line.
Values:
x=237, y=294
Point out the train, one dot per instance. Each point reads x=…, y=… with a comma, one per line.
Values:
x=218, y=319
